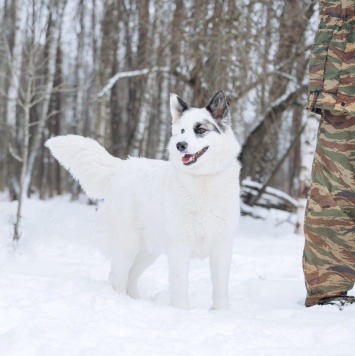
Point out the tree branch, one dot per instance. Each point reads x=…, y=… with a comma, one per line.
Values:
x=14, y=155
x=129, y=74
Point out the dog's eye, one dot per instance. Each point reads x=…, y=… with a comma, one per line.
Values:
x=200, y=130
x=182, y=130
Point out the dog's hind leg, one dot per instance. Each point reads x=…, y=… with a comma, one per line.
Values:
x=142, y=261
x=121, y=264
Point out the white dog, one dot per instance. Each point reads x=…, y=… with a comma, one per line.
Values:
x=185, y=207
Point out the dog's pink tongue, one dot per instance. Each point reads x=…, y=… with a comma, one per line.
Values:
x=187, y=158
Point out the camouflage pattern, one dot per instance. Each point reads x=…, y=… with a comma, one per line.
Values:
x=329, y=253
x=332, y=61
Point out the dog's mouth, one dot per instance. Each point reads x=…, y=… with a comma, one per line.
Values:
x=192, y=158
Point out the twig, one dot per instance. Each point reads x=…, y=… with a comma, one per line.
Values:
x=14, y=155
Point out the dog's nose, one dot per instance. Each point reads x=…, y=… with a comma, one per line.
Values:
x=181, y=146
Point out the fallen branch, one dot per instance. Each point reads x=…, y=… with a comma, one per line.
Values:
x=270, y=198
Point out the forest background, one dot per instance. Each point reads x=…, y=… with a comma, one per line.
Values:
x=105, y=68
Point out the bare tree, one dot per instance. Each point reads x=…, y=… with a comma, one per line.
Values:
x=31, y=93
x=261, y=148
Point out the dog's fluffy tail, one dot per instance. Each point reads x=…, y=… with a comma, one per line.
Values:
x=86, y=160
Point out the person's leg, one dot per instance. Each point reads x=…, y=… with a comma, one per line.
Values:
x=329, y=252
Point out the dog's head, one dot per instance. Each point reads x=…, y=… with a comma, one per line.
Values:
x=202, y=140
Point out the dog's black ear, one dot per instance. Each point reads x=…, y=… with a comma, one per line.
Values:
x=177, y=107
x=219, y=108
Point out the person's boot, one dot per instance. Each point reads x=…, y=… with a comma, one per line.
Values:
x=341, y=300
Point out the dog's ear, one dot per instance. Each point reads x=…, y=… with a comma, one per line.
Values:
x=177, y=107
x=219, y=108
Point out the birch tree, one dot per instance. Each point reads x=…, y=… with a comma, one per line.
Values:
x=79, y=102
x=14, y=64
x=26, y=104
x=3, y=101
x=164, y=118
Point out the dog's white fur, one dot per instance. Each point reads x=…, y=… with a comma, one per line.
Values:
x=152, y=207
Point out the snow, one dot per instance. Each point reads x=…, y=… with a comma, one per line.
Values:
x=55, y=298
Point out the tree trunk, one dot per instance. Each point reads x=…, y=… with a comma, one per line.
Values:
x=3, y=101
x=214, y=62
x=140, y=138
x=104, y=65
x=80, y=87
x=25, y=151
x=44, y=174
x=165, y=118
x=15, y=63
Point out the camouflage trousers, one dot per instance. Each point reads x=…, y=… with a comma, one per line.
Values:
x=329, y=252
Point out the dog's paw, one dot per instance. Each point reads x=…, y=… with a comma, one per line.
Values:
x=220, y=305
x=181, y=305
x=133, y=292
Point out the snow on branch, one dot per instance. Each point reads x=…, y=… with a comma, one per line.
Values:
x=271, y=198
x=133, y=73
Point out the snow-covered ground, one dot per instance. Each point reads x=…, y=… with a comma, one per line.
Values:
x=55, y=299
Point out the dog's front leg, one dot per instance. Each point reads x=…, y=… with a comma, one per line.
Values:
x=179, y=260
x=220, y=261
